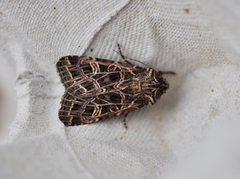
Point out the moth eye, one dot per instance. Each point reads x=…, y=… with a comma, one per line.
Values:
x=159, y=93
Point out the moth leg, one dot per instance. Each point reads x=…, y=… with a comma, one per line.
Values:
x=124, y=121
x=168, y=72
x=120, y=53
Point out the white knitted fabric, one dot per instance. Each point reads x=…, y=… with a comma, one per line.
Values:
x=191, y=132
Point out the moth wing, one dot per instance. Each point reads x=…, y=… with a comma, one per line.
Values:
x=90, y=76
x=91, y=92
x=72, y=109
x=84, y=110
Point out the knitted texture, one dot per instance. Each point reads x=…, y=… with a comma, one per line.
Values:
x=199, y=40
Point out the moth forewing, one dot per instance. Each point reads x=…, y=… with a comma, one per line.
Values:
x=98, y=89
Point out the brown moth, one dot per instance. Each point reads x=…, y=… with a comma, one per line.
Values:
x=98, y=89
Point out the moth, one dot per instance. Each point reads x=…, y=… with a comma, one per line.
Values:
x=97, y=89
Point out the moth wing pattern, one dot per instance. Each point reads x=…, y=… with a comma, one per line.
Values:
x=93, y=89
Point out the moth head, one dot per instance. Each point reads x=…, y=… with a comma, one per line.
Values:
x=163, y=84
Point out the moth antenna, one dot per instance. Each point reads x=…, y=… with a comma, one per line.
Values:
x=124, y=58
x=124, y=121
x=133, y=59
x=167, y=72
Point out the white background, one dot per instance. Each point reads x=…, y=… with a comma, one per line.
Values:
x=191, y=132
